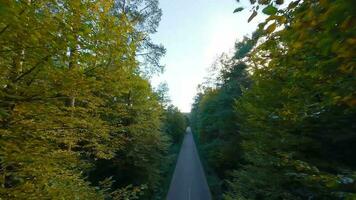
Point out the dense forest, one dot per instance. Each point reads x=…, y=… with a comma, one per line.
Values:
x=78, y=116
x=278, y=119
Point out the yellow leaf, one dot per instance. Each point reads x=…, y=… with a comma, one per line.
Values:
x=271, y=28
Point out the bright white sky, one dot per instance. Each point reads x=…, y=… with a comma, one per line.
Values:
x=195, y=33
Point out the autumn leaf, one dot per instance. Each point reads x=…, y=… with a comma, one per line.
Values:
x=271, y=28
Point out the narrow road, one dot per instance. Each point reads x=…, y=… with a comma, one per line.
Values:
x=188, y=182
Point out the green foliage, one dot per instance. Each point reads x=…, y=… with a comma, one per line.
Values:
x=213, y=118
x=271, y=7
x=270, y=10
x=174, y=124
x=174, y=127
x=145, y=15
x=295, y=120
x=239, y=9
x=73, y=102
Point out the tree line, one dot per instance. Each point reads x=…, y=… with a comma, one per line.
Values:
x=78, y=116
x=278, y=122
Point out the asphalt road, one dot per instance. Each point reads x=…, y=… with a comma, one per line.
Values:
x=188, y=181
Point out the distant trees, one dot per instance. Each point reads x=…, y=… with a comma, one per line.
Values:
x=213, y=118
x=174, y=127
x=295, y=119
x=77, y=118
x=174, y=124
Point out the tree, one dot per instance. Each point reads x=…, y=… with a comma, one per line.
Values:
x=294, y=117
x=214, y=118
x=297, y=118
x=72, y=97
x=145, y=15
x=174, y=124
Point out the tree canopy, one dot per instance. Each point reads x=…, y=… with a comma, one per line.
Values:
x=294, y=120
x=79, y=118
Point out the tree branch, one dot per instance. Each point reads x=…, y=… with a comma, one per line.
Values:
x=8, y=25
x=33, y=68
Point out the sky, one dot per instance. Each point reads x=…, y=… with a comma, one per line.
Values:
x=195, y=33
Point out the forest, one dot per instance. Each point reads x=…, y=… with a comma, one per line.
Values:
x=78, y=116
x=80, y=119
x=277, y=119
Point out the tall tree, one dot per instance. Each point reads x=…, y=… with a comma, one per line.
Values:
x=72, y=95
x=146, y=15
x=297, y=118
x=214, y=118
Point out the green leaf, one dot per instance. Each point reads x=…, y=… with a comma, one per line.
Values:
x=238, y=9
x=3, y=8
x=3, y=113
x=270, y=10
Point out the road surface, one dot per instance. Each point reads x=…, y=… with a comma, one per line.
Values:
x=188, y=181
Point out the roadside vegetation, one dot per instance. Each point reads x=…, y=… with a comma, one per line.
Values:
x=278, y=120
x=78, y=116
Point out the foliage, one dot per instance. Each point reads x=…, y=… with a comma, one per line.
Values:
x=174, y=124
x=213, y=117
x=295, y=120
x=78, y=121
x=301, y=134
x=145, y=15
